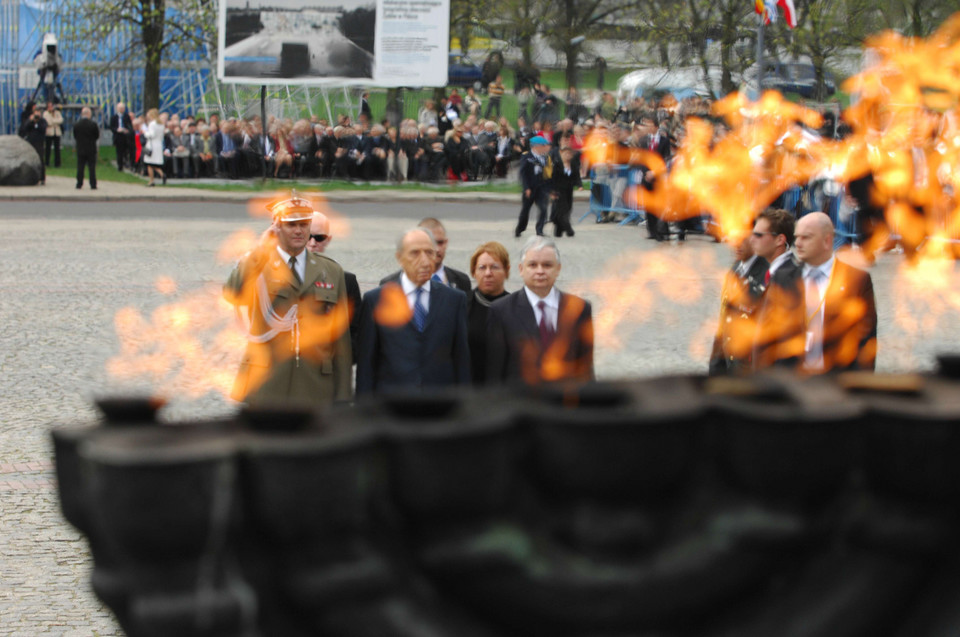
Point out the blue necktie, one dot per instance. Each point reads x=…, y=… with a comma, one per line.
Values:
x=419, y=311
x=436, y=277
x=814, y=316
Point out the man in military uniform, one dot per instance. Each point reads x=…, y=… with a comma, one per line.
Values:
x=743, y=289
x=297, y=316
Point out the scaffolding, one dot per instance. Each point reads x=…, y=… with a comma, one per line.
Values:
x=188, y=83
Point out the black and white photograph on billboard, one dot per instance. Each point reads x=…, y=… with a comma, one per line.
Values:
x=297, y=41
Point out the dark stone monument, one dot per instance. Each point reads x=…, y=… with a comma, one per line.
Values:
x=19, y=162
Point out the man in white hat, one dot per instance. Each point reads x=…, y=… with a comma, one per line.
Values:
x=296, y=314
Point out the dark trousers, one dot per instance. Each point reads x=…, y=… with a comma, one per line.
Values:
x=89, y=161
x=124, y=151
x=538, y=196
x=562, y=209
x=52, y=141
x=494, y=103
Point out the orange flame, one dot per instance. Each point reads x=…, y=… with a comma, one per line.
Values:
x=393, y=310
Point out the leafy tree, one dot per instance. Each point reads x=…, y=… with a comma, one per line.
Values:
x=149, y=31
x=570, y=19
x=517, y=22
x=915, y=17
x=825, y=28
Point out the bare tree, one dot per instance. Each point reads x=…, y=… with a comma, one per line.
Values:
x=150, y=30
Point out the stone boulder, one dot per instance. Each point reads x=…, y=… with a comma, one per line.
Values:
x=19, y=162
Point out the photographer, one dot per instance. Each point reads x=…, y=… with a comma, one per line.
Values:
x=33, y=128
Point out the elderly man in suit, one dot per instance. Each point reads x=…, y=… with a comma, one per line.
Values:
x=839, y=309
x=443, y=274
x=539, y=334
x=320, y=237
x=413, y=333
x=122, y=128
x=296, y=310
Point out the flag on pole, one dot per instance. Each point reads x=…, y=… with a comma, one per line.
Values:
x=789, y=13
x=768, y=9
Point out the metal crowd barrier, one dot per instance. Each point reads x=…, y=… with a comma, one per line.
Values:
x=684, y=506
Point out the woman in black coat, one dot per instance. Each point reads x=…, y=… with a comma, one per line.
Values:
x=490, y=266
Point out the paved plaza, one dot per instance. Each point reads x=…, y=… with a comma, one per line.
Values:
x=70, y=266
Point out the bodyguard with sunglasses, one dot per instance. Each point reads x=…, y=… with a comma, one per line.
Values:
x=293, y=303
x=320, y=237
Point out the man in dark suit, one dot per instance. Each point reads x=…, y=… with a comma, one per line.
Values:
x=839, y=309
x=122, y=128
x=320, y=238
x=743, y=289
x=413, y=334
x=539, y=334
x=86, y=132
x=779, y=336
x=443, y=274
x=535, y=183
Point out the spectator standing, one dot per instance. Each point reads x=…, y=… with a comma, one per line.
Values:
x=495, y=92
x=565, y=177
x=54, y=133
x=33, y=128
x=153, y=133
x=121, y=127
x=86, y=133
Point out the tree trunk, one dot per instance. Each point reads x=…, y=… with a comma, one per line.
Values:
x=820, y=90
x=526, y=48
x=571, y=53
x=152, y=29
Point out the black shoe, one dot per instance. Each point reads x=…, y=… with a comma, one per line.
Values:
x=79, y=187
x=164, y=178
x=93, y=187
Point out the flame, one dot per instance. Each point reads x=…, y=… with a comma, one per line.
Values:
x=393, y=310
x=189, y=347
x=165, y=285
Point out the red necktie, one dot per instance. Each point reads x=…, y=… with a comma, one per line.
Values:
x=766, y=278
x=546, y=330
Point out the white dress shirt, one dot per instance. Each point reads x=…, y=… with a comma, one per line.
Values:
x=410, y=290
x=301, y=261
x=814, y=350
x=551, y=303
x=775, y=265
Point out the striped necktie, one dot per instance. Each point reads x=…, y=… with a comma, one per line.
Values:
x=419, y=311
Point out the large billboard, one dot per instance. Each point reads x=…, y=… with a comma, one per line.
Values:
x=376, y=42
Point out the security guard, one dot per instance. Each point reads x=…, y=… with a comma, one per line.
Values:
x=295, y=306
x=743, y=289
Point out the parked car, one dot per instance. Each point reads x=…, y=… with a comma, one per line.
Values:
x=795, y=77
x=461, y=71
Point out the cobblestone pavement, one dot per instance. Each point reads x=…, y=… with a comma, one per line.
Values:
x=68, y=268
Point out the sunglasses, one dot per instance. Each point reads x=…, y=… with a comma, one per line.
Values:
x=319, y=238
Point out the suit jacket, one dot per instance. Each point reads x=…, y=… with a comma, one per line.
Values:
x=400, y=356
x=780, y=329
x=116, y=121
x=353, y=295
x=532, y=173
x=86, y=132
x=455, y=278
x=849, y=320
x=739, y=310
x=515, y=353
x=317, y=371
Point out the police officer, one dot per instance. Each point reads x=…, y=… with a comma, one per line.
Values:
x=743, y=290
x=295, y=304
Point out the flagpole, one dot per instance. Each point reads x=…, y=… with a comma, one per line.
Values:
x=760, y=54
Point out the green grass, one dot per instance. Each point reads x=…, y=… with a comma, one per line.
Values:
x=269, y=185
x=106, y=166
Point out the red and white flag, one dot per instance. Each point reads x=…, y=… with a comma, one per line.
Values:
x=789, y=12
